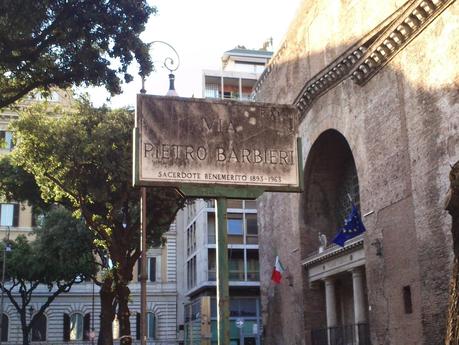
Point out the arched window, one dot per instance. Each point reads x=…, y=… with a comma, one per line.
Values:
x=5, y=325
x=39, y=329
x=76, y=326
x=151, y=326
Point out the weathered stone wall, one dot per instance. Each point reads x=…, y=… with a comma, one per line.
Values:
x=403, y=130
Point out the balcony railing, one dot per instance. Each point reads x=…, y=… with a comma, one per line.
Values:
x=235, y=276
x=357, y=334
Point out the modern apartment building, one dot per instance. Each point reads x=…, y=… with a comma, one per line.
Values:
x=240, y=70
x=196, y=246
x=197, y=255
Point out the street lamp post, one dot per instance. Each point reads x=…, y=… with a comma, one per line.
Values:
x=171, y=65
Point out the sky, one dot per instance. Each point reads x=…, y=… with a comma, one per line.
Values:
x=201, y=31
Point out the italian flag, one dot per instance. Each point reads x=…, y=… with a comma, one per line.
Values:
x=277, y=271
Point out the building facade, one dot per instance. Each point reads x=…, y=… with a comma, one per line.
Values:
x=197, y=256
x=376, y=87
x=240, y=70
x=196, y=239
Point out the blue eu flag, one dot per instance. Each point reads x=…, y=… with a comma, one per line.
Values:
x=353, y=227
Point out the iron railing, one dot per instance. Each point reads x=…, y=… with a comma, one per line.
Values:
x=356, y=334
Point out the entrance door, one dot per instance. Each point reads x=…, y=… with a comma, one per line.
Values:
x=250, y=341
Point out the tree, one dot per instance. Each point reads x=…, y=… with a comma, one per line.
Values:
x=85, y=157
x=60, y=256
x=452, y=206
x=56, y=43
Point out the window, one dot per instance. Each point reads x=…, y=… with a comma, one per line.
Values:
x=252, y=228
x=253, y=270
x=152, y=269
x=245, y=307
x=234, y=203
x=39, y=329
x=191, y=272
x=150, y=326
x=250, y=204
x=212, y=265
x=407, y=299
x=211, y=238
x=9, y=214
x=191, y=238
x=236, y=264
x=6, y=140
x=5, y=324
x=235, y=225
x=76, y=327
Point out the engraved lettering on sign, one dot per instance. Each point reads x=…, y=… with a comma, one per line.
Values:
x=183, y=141
x=218, y=126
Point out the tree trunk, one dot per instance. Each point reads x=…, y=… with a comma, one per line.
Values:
x=107, y=312
x=26, y=331
x=123, y=293
x=452, y=327
x=452, y=205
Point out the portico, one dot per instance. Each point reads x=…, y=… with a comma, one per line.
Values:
x=339, y=273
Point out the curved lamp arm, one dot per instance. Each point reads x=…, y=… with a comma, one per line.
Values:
x=169, y=63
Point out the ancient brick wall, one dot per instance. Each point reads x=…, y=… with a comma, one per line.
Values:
x=403, y=130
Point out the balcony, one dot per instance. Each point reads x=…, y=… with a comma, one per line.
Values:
x=236, y=276
x=357, y=334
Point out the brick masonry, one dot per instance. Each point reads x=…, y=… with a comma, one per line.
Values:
x=403, y=130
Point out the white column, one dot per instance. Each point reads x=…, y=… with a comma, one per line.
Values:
x=360, y=315
x=330, y=302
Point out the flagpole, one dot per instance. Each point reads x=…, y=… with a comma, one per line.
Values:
x=223, y=324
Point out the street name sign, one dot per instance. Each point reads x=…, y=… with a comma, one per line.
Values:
x=185, y=141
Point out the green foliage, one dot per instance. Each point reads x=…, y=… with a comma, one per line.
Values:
x=61, y=251
x=59, y=257
x=85, y=157
x=62, y=43
x=16, y=184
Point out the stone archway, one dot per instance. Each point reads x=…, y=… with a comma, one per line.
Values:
x=330, y=178
x=452, y=206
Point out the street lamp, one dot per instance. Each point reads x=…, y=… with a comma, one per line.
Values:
x=170, y=64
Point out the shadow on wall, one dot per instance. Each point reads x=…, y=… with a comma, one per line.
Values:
x=388, y=145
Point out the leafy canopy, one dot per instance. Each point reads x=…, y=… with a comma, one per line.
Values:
x=61, y=43
x=60, y=256
x=60, y=253
x=84, y=158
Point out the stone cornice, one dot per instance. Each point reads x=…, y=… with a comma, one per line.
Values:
x=409, y=24
x=365, y=58
x=333, y=251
